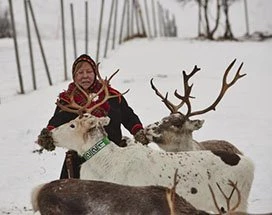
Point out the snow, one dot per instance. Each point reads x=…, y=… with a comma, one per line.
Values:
x=243, y=116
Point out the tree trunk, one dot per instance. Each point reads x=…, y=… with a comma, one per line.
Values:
x=228, y=33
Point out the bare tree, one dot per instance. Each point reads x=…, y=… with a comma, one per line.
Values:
x=205, y=19
x=5, y=25
x=210, y=32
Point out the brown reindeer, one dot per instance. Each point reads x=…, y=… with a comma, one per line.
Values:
x=87, y=197
x=74, y=196
x=175, y=132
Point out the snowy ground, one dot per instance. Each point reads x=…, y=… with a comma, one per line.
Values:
x=243, y=117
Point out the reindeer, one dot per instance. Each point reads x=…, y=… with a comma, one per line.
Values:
x=138, y=165
x=175, y=132
x=82, y=197
x=75, y=196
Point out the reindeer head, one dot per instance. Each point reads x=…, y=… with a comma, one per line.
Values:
x=75, y=134
x=172, y=130
x=174, y=133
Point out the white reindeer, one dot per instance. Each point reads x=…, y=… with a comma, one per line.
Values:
x=175, y=132
x=139, y=165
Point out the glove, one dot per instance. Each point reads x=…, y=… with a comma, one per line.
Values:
x=140, y=137
x=45, y=140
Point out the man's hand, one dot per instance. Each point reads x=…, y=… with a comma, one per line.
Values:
x=45, y=140
x=140, y=137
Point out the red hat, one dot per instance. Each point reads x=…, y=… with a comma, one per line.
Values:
x=86, y=58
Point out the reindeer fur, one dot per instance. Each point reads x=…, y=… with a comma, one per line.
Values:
x=88, y=197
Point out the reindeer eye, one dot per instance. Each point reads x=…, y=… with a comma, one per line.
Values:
x=72, y=126
x=177, y=122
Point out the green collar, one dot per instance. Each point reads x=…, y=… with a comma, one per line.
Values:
x=96, y=148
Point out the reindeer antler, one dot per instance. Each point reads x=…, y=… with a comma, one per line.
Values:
x=173, y=108
x=224, y=88
x=76, y=108
x=171, y=194
x=187, y=89
x=185, y=99
x=234, y=185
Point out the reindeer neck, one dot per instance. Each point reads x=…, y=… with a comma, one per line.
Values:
x=96, y=148
x=94, y=142
x=185, y=141
x=101, y=162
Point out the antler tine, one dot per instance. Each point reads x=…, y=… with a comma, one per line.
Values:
x=97, y=71
x=224, y=88
x=234, y=185
x=106, y=79
x=173, y=108
x=171, y=194
x=187, y=89
x=236, y=77
x=112, y=75
x=187, y=77
x=214, y=199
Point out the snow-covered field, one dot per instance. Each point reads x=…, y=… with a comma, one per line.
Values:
x=243, y=117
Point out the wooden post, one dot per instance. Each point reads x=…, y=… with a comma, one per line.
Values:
x=40, y=42
x=30, y=47
x=246, y=16
x=139, y=10
x=16, y=48
x=114, y=25
x=154, y=18
x=167, y=23
x=147, y=19
x=128, y=17
x=99, y=30
x=63, y=41
x=136, y=17
x=132, y=18
x=199, y=18
x=122, y=22
x=160, y=18
x=109, y=27
x=86, y=27
x=73, y=30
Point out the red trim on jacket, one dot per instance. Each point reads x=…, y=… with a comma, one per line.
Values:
x=50, y=127
x=136, y=128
